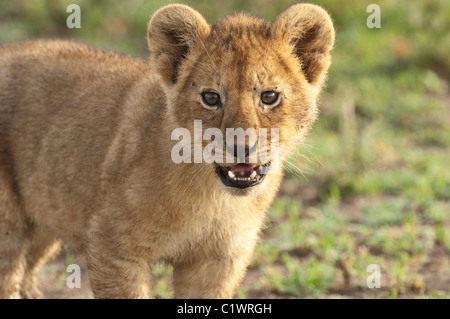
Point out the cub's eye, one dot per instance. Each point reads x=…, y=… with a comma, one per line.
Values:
x=211, y=99
x=269, y=98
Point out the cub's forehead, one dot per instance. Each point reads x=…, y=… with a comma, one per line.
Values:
x=241, y=25
x=241, y=47
x=240, y=34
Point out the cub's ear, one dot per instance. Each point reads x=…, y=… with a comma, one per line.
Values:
x=309, y=31
x=172, y=32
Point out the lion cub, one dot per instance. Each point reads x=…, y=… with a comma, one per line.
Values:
x=87, y=148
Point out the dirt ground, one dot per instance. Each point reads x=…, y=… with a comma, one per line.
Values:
x=53, y=280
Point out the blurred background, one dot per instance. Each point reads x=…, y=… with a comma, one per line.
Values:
x=372, y=184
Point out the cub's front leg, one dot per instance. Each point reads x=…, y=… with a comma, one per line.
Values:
x=117, y=265
x=211, y=276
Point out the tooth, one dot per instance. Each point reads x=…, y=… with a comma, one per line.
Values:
x=253, y=175
x=230, y=174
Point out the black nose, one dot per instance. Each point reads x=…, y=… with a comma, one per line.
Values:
x=247, y=150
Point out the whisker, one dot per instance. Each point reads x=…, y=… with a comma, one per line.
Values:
x=292, y=166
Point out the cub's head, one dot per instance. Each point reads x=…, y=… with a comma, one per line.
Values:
x=244, y=90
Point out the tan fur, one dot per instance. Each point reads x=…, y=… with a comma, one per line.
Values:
x=85, y=148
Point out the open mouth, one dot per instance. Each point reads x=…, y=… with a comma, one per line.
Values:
x=242, y=175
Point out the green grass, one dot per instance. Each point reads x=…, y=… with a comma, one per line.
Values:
x=372, y=184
